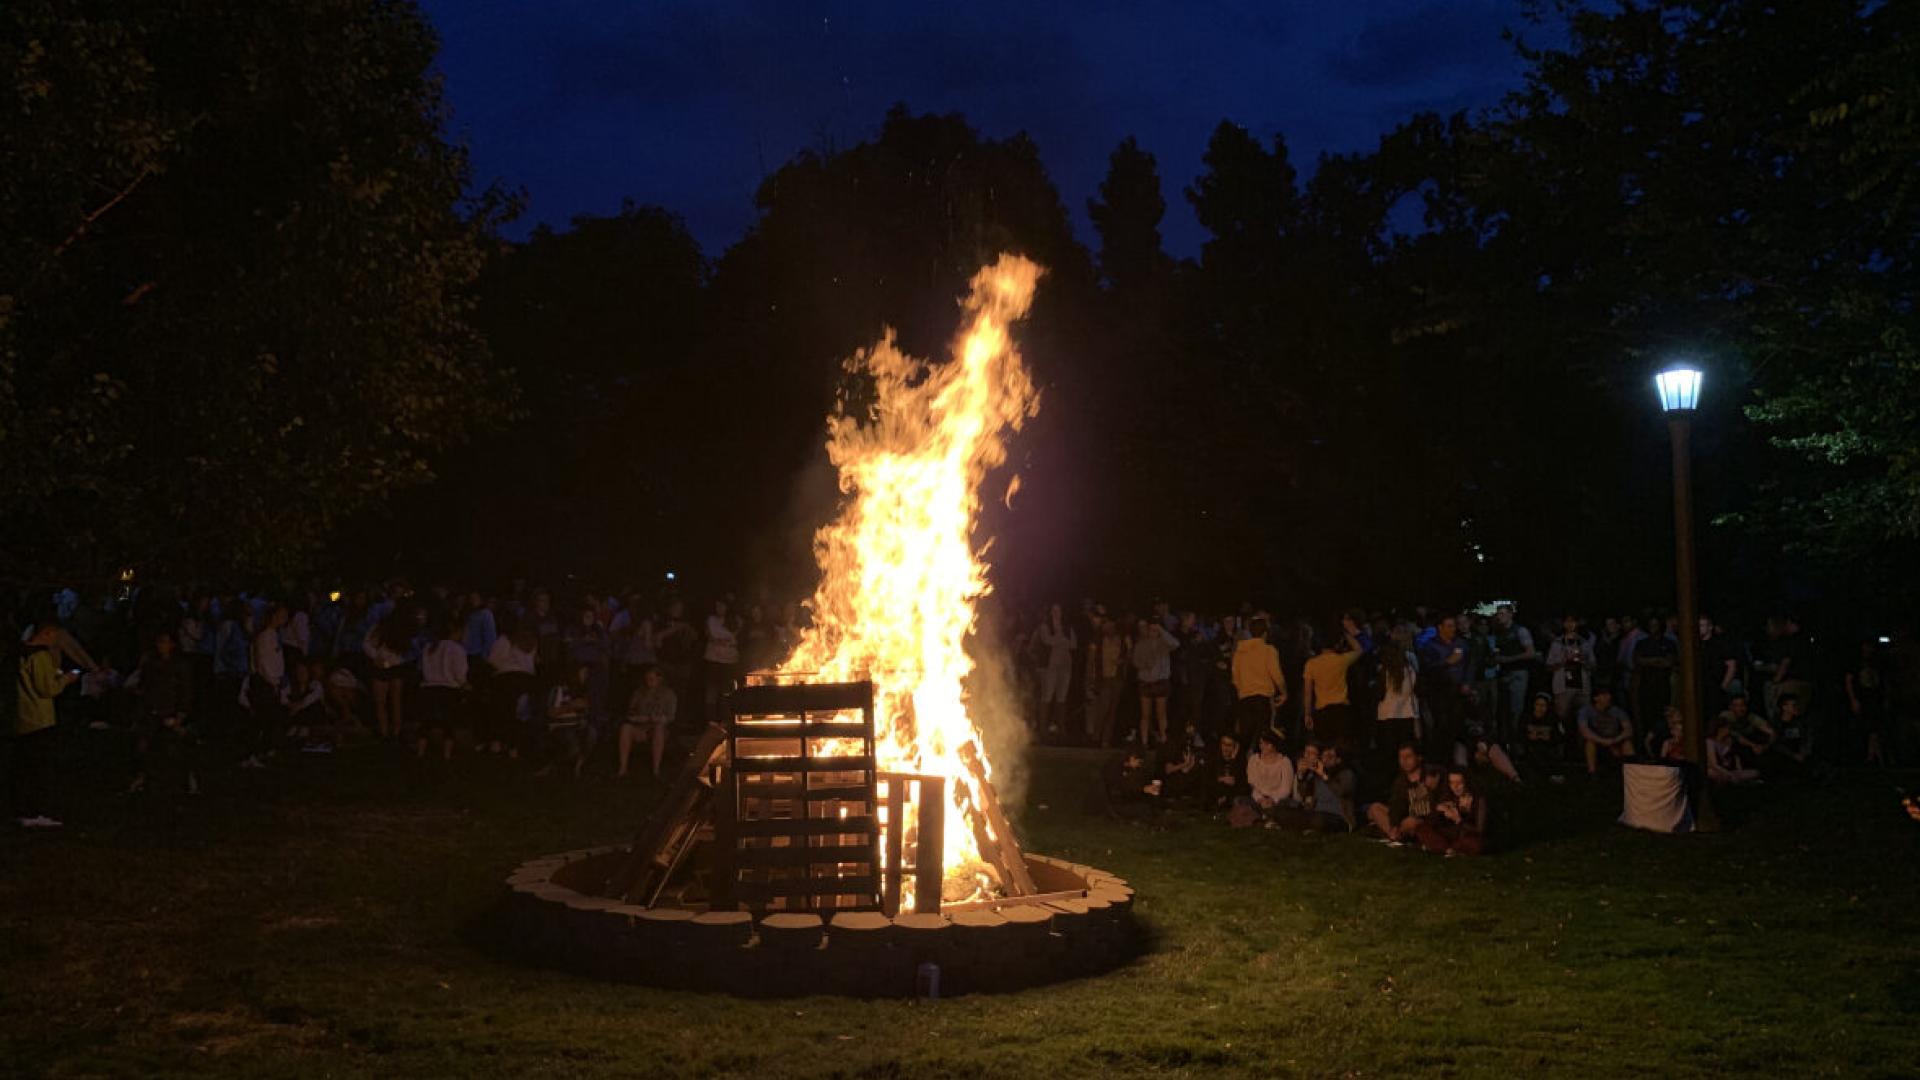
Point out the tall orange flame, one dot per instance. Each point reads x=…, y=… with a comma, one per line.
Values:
x=900, y=572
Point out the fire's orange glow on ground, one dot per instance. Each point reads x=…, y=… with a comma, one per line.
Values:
x=900, y=571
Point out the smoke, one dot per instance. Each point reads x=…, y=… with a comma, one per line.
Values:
x=995, y=702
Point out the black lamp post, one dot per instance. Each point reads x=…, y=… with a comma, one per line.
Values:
x=1679, y=388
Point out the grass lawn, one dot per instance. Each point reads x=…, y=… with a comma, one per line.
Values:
x=309, y=922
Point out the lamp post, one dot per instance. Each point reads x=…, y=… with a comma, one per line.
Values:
x=1679, y=388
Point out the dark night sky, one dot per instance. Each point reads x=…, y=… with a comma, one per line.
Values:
x=689, y=105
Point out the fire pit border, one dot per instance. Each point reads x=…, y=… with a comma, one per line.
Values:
x=1081, y=924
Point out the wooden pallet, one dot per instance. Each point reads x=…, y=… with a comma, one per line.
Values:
x=796, y=815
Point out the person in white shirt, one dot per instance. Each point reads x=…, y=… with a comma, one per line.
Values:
x=722, y=658
x=296, y=637
x=386, y=648
x=512, y=659
x=1270, y=776
x=443, y=688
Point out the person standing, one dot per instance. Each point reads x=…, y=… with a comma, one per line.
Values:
x=38, y=681
x=267, y=662
x=1259, y=686
x=1105, y=676
x=722, y=659
x=1153, y=647
x=164, y=688
x=1570, y=658
x=1057, y=643
x=1397, y=715
x=443, y=688
x=1446, y=678
x=1325, y=708
x=1654, y=658
x=1513, y=655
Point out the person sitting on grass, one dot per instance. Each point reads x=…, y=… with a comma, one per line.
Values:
x=1540, y=728
x=649, y=714
x=1672, y=750
x=1793, y=746
x=1489, y=755
x=1181, y=777
x=1752, y=735
x=1458, y=824
x=1327, y=785
x=1724, y=762
x=306, y=704
x=1130, y=783
x=1604, y=729
x=1270, y=779
x=1228, y=770
x=565, y=717
x=1409, y=800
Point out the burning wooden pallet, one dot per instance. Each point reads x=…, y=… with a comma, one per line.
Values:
x=801, y=818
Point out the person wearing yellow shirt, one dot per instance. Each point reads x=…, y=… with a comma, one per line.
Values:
x=38, y=681
x=1259, y=686
x=1325, y=707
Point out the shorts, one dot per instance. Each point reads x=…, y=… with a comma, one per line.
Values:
x=1156, y=689
x=389, y=674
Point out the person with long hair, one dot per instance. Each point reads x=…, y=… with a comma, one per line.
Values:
x=1458, y=824
x=387, y=647
x=1397, y=715
x=1153, y=672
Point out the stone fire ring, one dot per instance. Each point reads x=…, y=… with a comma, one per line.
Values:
x=546, y=920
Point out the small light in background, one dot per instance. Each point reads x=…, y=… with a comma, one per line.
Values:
x=1885, y=640
x=334, y=596
x=671, y=576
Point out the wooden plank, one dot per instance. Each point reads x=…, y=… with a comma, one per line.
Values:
x=824, y=726
x=800, y=855
x=991, y=831
x=930, y=850
x=798, y=792
x=803, y=697
x=895, y=830
x=684, y=794
x=852, y=825
x=770, y=764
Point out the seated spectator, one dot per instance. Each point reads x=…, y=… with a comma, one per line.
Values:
x=565, y=717
x=1181, y=777
x=1228, y=770
x=1604, y=728
x=1540, y=728
x=1489, y=755
x=1409, y=800
x=1270, y=778
x=1724, y=764
x=1129, y=782
x=649, y=715
x=1458, y=824
x=1326, y=785
x=342, y=697
x=306, y=705
x=1673, y=748
x=1793, y=745
x=1752, y=735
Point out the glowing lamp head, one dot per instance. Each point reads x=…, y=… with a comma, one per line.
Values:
x=1679, y=388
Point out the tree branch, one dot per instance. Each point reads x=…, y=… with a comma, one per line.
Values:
x=77, y=233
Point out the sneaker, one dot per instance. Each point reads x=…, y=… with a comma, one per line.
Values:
x=317, y=748
x=98, y=725
x=41, y=822
x=253, y=762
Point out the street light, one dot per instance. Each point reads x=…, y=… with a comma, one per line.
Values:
x=1679, y=387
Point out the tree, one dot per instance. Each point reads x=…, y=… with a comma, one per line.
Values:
x=236, y=263
x=1127, y=216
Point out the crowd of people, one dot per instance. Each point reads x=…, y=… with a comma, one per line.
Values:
x=1403, y=724
x=202, y=677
